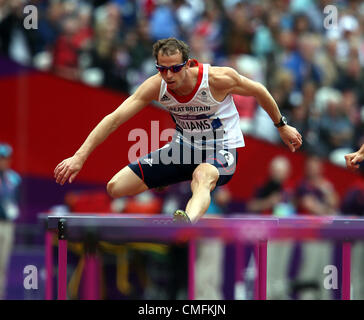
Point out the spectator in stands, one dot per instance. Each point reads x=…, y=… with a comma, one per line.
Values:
x=163, y=23
x=347, y=34
x=210, y=27
x=66, y=50
x=274, y=196
x=49, y=26
x=316, y=196
x=108, y=54
x=199, y=48
x=139, y=48
x=352, y=78
x=282, y=90
x=6, y=26
x=239, y=32
x=16, y=41
x=266, y=35
x=9, y=211
x=327, y=62
x=353, y=202
x=302, y=62
x=301, y=24
x=336, y=128
x=286, y=46
x=300, y=113
x=188, y=12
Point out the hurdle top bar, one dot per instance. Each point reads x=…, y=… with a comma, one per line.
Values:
x=133, y=227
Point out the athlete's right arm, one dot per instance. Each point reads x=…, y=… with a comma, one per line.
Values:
x=145, y=94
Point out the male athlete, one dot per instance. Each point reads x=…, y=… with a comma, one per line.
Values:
x=199, y=99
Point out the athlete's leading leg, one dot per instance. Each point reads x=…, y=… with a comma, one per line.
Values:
x=204, y=180
x=125, y=183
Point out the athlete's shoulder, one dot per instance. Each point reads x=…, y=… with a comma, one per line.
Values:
x=222, y=77
x=153, y=82
x=149, y=89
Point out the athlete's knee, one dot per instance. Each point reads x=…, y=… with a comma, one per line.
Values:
x=205, y=174
x=111, y=189
x=116, y=189
x=125, y=183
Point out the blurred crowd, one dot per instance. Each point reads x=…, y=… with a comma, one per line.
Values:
x=310, y=60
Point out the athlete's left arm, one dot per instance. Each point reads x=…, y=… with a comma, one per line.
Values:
x=234, y=83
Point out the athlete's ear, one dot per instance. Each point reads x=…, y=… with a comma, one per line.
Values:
x=188, y=64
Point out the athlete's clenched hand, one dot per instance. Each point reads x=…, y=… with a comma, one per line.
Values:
x=291, y=137
x=68, y=169
x=353, y=160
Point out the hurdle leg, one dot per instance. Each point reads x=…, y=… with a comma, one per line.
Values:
x=260, y=290
x=239, y=266
x=191, y=268
x=62, y=261
x=91, y=278
x=91, y=271
x=346, y=270
x=48, y=265
x=62, y=270
x=263, y=270
x=256, y=282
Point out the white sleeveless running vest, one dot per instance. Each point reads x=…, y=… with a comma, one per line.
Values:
x=200, y=115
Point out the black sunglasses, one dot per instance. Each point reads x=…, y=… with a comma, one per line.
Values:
x=175, y=68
